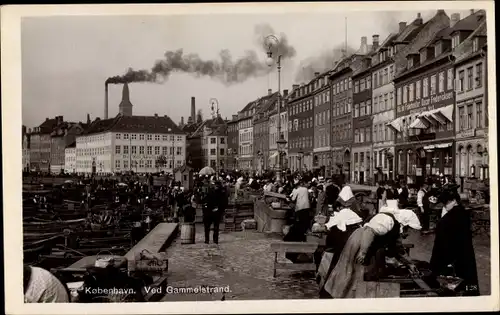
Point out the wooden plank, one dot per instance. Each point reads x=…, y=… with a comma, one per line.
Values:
x=273, y=194
x=299, y=267
x=388, y=290
x=294, y=247
x=154, y=240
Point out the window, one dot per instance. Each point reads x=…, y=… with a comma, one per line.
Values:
x=367, y=135
x=386, y=76
x=356, y=110
x=362, y=85
x=222, y=140
x=417, y=90
x=405, y=94
x=150, y=137
x=433, y=84
x=375, y=133
x=133, y=136
x=375, y=82
x=117, y=149
x=369, y=107
x=411, y=92
x=117, y=163
x=449, y=79
x=149, y=163
x=118, y=136
x=362, y=109
x=350, y=83
x=425, y=87
x=369, y=82
x=469, y=117
x=461, y=79
x=356, y=87
x=157, y=150
x=455, y=41
x=362, y=135
x=470, y=78
x=164, y=151
x=141, y=150
x=475, y=44
x=441, y=82
x=125, y=136
x=391, y=72
x=375, y=105
x=179, y=138
x=479, y=75
x=125, y=149
x=149, y=150
x=134, y=149
x=479, y=115
x=356, y=135
x=213, y=152
x=213, y=140
x=178, y=151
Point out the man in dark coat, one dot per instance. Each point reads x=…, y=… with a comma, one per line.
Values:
x=214, y=206
x=332, y=192
x=453, y=251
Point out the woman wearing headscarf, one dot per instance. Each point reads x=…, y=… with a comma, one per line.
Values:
x=453, y=251
x=40, y=286
x=363, y=256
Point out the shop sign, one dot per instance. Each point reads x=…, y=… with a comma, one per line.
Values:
x=466, y=134
x=425, y=104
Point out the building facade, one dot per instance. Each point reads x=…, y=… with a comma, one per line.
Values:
x=245, y=137
x=41, y=144
x=63, y=135
x=425, y=104
x=70, y=159
x=471, y=120
x=141, y=144
x=274, y=154
x=322, y=155
x=362, y=124
x=301, y=128
x=232, y=142
x=26, y=151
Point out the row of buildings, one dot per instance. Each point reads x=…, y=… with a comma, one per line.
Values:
x=410, y=106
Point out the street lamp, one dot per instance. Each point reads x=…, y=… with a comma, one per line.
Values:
x=214, y=106
x=301, y=155
x=281, y=142
x=260, y=156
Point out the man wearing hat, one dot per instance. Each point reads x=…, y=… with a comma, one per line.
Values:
x=453, y=251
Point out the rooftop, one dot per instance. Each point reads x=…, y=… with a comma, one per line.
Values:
x=144, y=124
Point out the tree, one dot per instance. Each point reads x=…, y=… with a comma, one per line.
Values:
x=161, y=161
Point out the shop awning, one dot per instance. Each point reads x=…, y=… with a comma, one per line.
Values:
x=441, y=115
x=395, y=124
x=419, y=124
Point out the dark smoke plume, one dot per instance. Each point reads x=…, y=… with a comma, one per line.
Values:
x=320, y=63
x=226, y=69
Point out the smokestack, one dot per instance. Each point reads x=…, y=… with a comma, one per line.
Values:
x=375, y=42
x=455, y=17
x=193, y=109
x=182, y=121
x=269, y=91
x=402, y=26
x=88, y=119
x=106, y=101
x=364, y=45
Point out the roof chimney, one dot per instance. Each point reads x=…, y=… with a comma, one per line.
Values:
x=156, y=115
x=364, y=45
x=471, y=11
x=269, y=91
x=402, y=26
x=182, y=121
x=375, y=42
x=418, y=20
x=193, y=109
x=285, y=93
x=294, y=87
x=455, y=17
x=316, y=74
x=235, y=117
x=88, y=119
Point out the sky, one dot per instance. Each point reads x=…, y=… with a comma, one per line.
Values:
x=67, y=59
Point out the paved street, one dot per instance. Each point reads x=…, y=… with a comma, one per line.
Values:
x=243, y=262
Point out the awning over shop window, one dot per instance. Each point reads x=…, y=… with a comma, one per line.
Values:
x=419, y=124
x=441, y=115
x=395, y=124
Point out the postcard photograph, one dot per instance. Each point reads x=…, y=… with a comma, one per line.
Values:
x=300, y=160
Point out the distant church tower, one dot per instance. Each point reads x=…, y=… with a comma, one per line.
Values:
x=125, y=105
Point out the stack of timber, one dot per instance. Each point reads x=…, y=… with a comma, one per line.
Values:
x=236, y=214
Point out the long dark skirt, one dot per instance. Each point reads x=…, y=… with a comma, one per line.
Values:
x=335, y=242
x=297, y=232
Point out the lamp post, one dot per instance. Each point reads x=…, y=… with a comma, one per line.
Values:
x=281, y=142
x=260, y=155
x=301, y=155
x=214, y=106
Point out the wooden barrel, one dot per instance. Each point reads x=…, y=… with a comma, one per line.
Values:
x=187, y=233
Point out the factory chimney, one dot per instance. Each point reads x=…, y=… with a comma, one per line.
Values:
x=106, y=101
x=375, y=42
x=182, y=121
x=193, y=109
x=125, y=105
